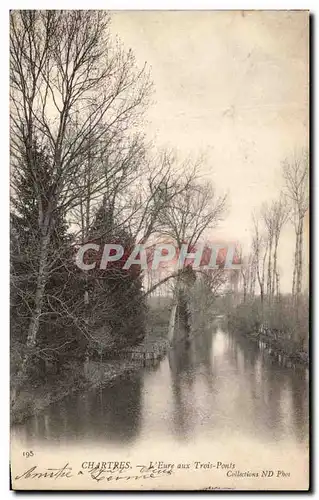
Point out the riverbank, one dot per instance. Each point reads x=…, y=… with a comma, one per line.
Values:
x=36, y=397
x=285, y=349
x=82, y=377
x=76, y=376
x=278, y=326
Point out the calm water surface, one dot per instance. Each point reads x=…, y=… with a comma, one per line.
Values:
x=222, y=387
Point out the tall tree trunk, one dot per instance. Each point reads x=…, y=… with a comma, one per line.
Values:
x=39, y=295
x=274, y=272
x=252, y=280
x=261, y=286
x=299, y=266
x=277, y=286
x=245, y=286
x=171, y=326
x=41, y=282
x=269, y=271
x=294, y=276
x=262, y=282
x=245, y=292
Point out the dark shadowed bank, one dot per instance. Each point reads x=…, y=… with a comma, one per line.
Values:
x=77, y=376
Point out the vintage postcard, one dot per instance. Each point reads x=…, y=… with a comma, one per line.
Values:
x=159, y=170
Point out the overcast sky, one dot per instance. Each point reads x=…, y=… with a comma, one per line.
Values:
x=232, y=85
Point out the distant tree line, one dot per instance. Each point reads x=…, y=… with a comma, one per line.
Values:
x=259, y=276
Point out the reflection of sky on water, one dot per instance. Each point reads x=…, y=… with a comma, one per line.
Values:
x=218, y=388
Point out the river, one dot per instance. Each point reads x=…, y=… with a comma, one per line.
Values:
x=223, y=394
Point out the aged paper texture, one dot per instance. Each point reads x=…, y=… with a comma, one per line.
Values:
x=159, y=250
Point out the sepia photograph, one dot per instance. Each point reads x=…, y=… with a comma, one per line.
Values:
x=159, y=250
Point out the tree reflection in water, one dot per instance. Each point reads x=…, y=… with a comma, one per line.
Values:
x=216, y=387
x=112, y=413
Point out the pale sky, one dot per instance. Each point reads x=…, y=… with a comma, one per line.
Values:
x=231, y=85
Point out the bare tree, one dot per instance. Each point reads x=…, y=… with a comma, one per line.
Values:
x=260, y=249
x=296, y=176
x=274, y=216
x=214, y=279
x=252, y=273
x=280, y=215
x=194, y=210
x=121, y=167
x=164, y=182
x=267, y=217
x=248, y=275
x=72, y=91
